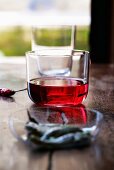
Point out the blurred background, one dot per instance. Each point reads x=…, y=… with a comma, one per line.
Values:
x=15, y=39
x=93, y=19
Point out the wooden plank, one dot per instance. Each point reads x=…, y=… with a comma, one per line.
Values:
x=13, y=154
x=99, y=156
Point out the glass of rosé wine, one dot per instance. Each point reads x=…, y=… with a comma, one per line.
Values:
x=56, y=79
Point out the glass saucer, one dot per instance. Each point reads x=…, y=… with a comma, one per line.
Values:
x=88, y=120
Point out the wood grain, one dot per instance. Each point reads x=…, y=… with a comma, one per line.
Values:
x=99, y=156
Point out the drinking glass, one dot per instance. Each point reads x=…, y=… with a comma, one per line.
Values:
x=53, y=37
x=57, y=39
x=55, y=87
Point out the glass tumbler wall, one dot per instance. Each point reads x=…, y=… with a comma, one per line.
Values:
x=57, y=39
x=64, y=88
x=53, y=37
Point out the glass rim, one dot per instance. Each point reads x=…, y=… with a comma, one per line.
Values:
x=74, y=52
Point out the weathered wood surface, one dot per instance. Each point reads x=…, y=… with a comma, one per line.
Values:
x=99, y=156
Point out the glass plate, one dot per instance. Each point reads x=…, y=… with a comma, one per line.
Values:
x=88, y=120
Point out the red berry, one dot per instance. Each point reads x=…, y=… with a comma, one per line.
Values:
x=6, y=92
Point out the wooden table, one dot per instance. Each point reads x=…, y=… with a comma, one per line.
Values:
x=99, y=156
